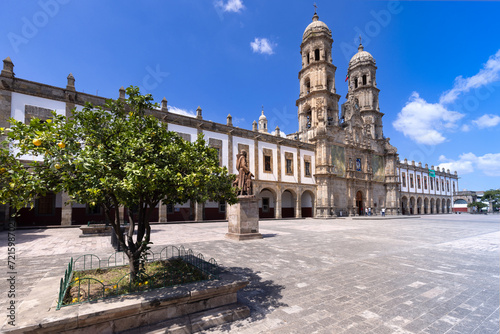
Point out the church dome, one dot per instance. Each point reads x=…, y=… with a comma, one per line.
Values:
x=361, y=57
x=316, y=26
x=262, y=117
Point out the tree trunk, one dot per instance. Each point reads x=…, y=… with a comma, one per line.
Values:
x=134, y=261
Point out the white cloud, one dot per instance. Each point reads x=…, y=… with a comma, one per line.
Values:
x=424, y=122
x=262, y=45
x=234, y=6
x=487, y=121
x=465, y=128
x=180, y=111
x=489, y=163
x=488, y=74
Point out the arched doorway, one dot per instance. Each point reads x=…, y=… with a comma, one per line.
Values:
x=266, y=203
x=287, y=205
x=419, y=205
x=404, y=205
x=432, y=205
x=359, y=202
x=448, y=206
x=438, y=205
x=307, y=204
x=426, y=206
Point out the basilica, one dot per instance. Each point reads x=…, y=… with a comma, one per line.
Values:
x=338, y=163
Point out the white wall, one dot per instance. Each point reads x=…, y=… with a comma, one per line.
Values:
x=306, y=179
x=273, y=176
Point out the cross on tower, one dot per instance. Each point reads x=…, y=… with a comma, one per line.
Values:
x=315, y=8
x=359, y=39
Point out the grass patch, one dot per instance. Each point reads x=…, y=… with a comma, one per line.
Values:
x=88, y=285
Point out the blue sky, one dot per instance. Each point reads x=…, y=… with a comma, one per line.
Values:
x=438, y=63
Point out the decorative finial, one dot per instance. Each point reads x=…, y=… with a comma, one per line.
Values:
x=360, y=47
x=315, y=8
x=198, y=113
x=262, y=109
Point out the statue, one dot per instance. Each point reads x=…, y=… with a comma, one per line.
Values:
x=244, y=178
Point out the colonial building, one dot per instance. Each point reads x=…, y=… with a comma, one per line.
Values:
x=338, y=163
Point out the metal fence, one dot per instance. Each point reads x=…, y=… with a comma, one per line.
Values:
x=90, y=289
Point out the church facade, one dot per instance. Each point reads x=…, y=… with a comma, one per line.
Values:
x=338, y=163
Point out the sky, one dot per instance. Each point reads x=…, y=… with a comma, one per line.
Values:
x=438, y=63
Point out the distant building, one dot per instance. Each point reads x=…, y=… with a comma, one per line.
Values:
x=337, y=163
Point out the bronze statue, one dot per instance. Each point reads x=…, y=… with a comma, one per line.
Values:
x=244, y=178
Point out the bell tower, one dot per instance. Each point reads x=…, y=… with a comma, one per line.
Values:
x=363, y=89
x=318, y=101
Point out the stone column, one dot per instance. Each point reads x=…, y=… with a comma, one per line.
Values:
x=298, y=205
x=121, y=211
x=277, y=205
x=162, y=213
x=66, y=210
x=199, y=209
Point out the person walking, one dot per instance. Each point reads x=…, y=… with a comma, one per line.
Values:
x=383, y=212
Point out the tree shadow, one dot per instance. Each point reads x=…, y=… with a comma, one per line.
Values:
x=260, y=295
x=269, y=235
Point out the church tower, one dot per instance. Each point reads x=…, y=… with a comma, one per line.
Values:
x=363, y=91
x=318, y=101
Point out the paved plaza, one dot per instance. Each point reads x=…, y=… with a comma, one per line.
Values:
x=434, y=274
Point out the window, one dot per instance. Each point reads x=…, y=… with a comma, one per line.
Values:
x=442, y=185
x=448, y=185
x=222, y=207
x=432, y=183
x=46, y=205
x=308, y=85
x=267, y=163
x=411, y=181
x=418, y=182
x=355, y=82
x=403, y=177
x=288, y=163
x=265, y=204
x=453, y=187
x=364, y=79
x=307, y=166
x=308, y=59
x=437, y=185
x=425, y=182
x=268, y=160
x=316, y=54
x=217, y=144
x=170, y=208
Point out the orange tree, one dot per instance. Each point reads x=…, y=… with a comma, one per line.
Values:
x=114, y=155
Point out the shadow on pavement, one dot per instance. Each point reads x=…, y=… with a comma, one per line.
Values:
x=261, y=296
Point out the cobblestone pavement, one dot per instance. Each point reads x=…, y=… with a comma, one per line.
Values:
x=435, y=274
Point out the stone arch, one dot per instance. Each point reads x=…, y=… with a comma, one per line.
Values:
x=443, y=206
x=307, y=203
x=438, y=205
x=307, y=85
x=267, y=202
x=426, y=206
x=412, y=205
x=432, y=205
x=448, y=205
x=288, y=200
x=419, y=206
x=404, y=205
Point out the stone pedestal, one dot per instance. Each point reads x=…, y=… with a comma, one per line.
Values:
x=243, y=219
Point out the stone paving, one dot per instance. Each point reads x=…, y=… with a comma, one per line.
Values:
x=434, y=274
